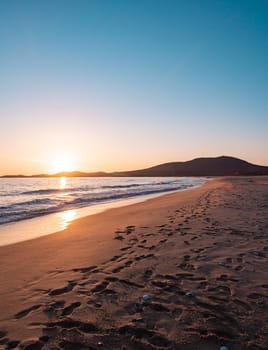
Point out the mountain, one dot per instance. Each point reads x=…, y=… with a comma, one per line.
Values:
x=219, y=166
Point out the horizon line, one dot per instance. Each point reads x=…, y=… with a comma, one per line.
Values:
x=107, y=173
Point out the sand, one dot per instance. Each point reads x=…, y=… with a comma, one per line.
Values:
x=200, y=256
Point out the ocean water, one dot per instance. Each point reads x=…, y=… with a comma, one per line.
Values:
x=26, y=198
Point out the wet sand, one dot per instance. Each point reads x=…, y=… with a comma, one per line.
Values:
x=200, y=257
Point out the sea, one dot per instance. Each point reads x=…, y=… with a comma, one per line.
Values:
x=25, y=199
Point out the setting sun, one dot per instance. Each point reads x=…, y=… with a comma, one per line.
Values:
x=61, y=163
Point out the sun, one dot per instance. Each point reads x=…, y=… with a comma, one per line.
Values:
x=62, y=162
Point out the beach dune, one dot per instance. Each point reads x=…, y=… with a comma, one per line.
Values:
x=186, y=270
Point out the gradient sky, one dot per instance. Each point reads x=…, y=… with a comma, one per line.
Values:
x=117, y=85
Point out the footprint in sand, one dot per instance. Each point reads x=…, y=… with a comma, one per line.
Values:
x=130, y=283
x=100, y=287
x=116, y=257
x=148, y=273
x=69, y=309
x=129, y=229
x=256, y=296
x=142, y=257
x=126, y=248
x=121, y=267
x=53, y=308
x=12, y=344
x=25, y=312
x=63, y=290
x=242, y=305
x=70, y=323
x=2, y=334
x=85, y=269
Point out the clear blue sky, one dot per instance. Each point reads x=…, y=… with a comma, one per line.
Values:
x=125, y=84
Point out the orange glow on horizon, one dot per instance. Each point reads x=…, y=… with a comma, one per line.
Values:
x=62, y=162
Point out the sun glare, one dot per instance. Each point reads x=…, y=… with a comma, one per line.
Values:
x=67, y=217
x=63, y=182
x=62, y=163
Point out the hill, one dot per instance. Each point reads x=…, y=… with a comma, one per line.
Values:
x=219, y=166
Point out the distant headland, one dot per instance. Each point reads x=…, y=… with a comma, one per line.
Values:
x=217, y=166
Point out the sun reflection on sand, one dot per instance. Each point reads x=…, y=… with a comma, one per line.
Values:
x=67, y=217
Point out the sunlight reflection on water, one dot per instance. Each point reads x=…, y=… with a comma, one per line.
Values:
x=63, y=182
x=67, y=217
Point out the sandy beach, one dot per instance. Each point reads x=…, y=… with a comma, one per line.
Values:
x=186, y=270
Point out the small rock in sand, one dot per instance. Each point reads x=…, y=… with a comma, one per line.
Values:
x=257, y=253
x=138, y=307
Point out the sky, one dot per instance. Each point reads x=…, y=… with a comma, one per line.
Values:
x=126, y=84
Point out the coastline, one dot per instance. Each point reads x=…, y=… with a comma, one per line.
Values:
x=81, y=286
x=47, y=224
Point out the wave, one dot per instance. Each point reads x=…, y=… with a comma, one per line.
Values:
x=41, y=201
x=15, y=211
x=75, y=189
x=87, y=188
x=46, y=191
x=141, y=185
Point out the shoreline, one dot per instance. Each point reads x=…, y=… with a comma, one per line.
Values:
x=48, y=224
x=84, y=286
